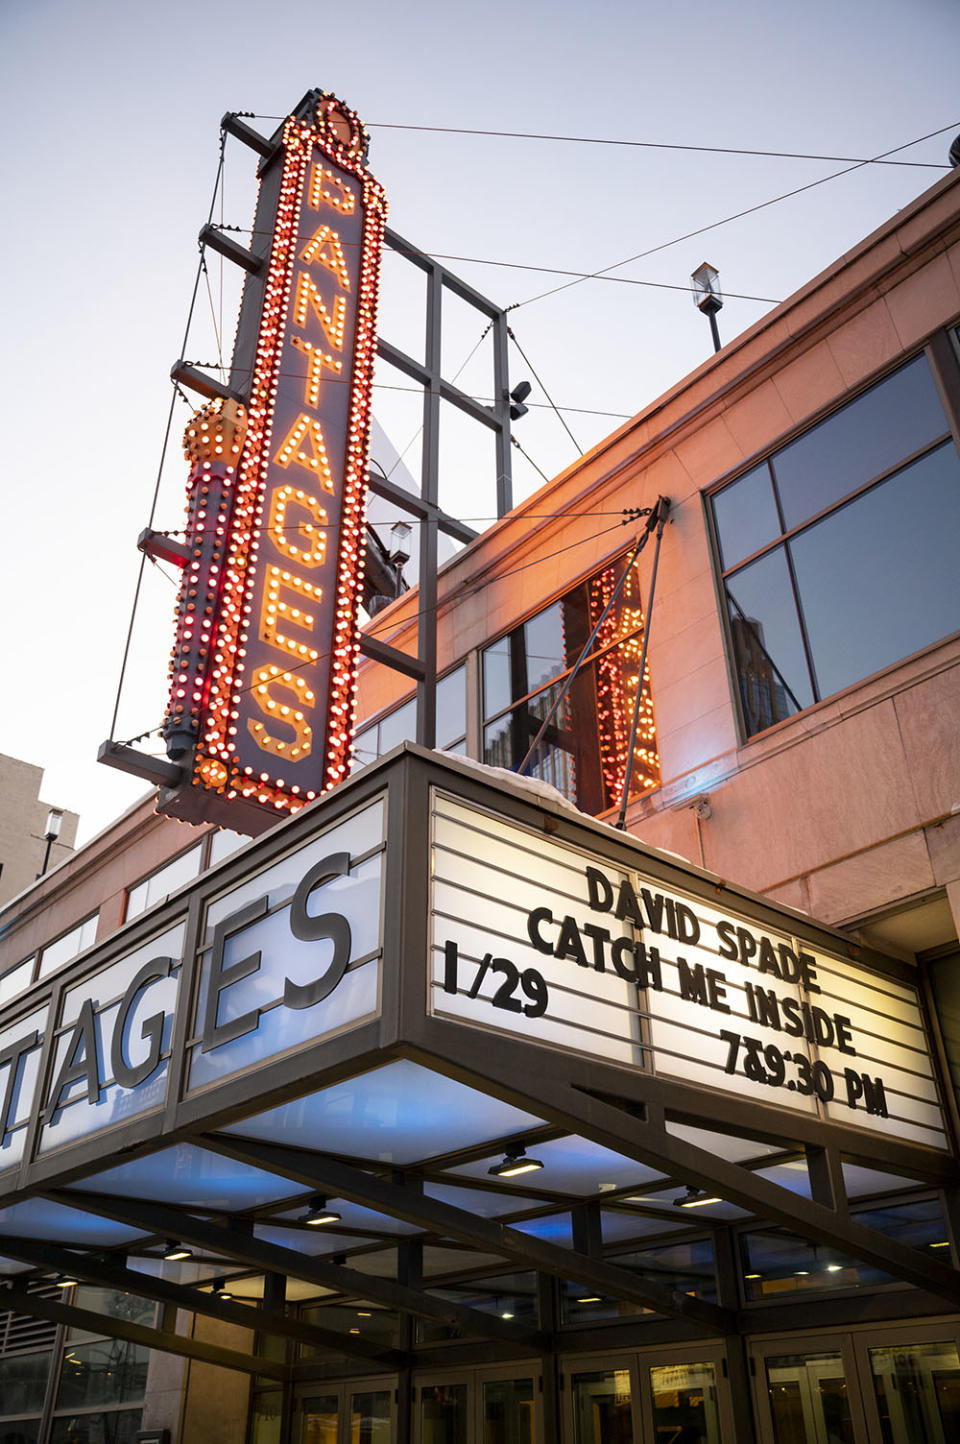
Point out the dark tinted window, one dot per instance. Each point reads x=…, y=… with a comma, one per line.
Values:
x=881, y=428
x=873, y=579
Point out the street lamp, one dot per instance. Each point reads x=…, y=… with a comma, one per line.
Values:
x=51, y=833
x=707, y=296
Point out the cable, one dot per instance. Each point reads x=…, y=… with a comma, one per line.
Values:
x=163, y=455
x=414, y=391
x=526, y=455
x=638, y=144
x=543, y=270
x=701, y=230
x=546, y=393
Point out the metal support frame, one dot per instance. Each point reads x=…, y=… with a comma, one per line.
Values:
x=572, y=1101
x=163, y=1339
x=270, y=1257
x=103, y=1270
x=319, y=1171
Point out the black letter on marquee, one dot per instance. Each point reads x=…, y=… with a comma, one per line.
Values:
x=215, y=1033
x=84, y=1035
x=309, y=929
x=129, y=1075
x=12, y=1055
x=599, y=891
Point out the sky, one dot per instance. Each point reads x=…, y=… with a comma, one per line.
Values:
x=110, y=114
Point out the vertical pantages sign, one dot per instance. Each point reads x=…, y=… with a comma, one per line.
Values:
x=263, y=673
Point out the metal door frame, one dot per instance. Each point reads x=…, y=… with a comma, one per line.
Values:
x=474, y=1379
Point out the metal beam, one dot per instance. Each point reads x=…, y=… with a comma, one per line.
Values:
x=203, y=384
x=101, y=1270
x=167, y=1342
x=162, y=548
x=446, y=389
x=239, y=129
x=231, y=250
x=391, y=657
x=273, y=1258
x=319, y=1171
x=127, y=759
x=409, y=501
x=573, y=1102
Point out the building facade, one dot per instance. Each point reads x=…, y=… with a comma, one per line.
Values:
x=25, y=849
x=797, y=688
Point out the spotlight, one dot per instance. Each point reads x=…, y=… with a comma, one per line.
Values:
x=66, y=1281
x=518, y=396
x=220, y=1289
x=174, y=1252
x=514, y=1162
x=318, y=1214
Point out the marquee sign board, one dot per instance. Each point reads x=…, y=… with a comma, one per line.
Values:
x=532, y=936
x=263, y=672
x=426, y=892
x=287, y=957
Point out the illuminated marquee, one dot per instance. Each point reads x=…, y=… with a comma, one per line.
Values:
x=263, y=675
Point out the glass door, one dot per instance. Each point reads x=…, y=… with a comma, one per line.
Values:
x=915, y=1394
x=808, y=1394
x=675, y=1396
x=479, y=1406
x=894, y=1385
x=353, y=1413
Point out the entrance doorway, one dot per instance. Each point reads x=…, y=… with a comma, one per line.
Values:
x=879, y=1386
x=680, y=1396
x=479, y=1406
x=352, y=1413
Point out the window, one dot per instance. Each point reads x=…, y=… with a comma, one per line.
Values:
x=55, y=955
x=777, y=1263
x=165, y=880
x=583, y=750
x=17, y=978
x=400, y=725
x=838, y=552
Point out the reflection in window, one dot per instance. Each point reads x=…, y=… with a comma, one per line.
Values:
x=18, y=1431
x=808, y=1399
x=512, y=1296
x=684, y=1268
x=839, y=551
x=112, y=1371
x=508, y=1411
x=368, y=1321
x=918, y=1393
x=777, y=1264
x=602, y=1409
x=443, y=1414
x=584, y=748
x=120, y=1427
x=23, y=1382
x=685, y=1402
x=370, y=1418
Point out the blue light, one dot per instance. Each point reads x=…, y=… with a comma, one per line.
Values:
x=41, y=1218
x=192, y=1176
x=400, y=1113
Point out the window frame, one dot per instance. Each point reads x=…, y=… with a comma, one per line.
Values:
x=942, y=353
